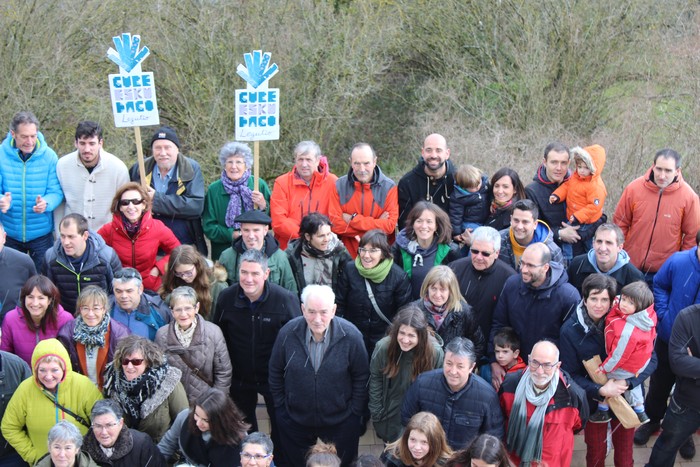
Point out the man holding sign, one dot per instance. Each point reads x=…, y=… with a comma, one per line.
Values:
x=176, y=188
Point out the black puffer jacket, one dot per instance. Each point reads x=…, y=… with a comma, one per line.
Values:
x=461, y=323
x=355, y=306
x=130, y=449
x=468, y=207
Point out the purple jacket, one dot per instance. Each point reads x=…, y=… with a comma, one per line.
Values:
x=117, y=332
x=18, y=339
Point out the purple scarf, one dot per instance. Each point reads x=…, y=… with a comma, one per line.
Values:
x=239, y=191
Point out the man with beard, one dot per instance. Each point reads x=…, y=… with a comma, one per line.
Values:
x=432, y=179
x=534, y=303
x=176, y=188
x=89, y=177
x=544, y=408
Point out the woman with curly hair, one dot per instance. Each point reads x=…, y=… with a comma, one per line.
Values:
x=210, y=433
x=187, y=266
x=423, y=444
x=146, y=387
x=408, y=350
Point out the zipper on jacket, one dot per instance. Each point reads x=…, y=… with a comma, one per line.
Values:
x=653, y=228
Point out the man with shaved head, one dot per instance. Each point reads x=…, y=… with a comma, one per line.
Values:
x=544, y=408
x=432, y=179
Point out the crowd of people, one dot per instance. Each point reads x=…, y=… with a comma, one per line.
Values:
x=143, y=315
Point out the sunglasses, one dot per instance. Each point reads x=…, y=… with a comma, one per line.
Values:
x=127, y=273
x=126, y=202
x=485, y=254
x=133, y=361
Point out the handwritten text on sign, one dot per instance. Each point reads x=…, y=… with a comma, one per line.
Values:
x=257, y=114
x=133, y=99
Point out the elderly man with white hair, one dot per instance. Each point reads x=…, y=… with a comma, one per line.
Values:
x=319, y=371
x=544, y=408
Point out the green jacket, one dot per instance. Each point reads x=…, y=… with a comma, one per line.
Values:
x=280, y=271
x=386, y=395
x=214, y=217
x=30, y=413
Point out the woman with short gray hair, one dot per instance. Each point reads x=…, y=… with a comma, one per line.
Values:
x=65, y=441
x=195, y=346
x=230, y=196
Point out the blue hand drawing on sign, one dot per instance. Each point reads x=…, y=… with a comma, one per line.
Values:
x=127, y=55
x=257, y=70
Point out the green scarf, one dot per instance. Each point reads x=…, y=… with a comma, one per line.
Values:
x=376, y=274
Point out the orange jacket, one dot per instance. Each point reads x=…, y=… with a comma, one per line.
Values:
x=292, y=199
x=585, y=196
x=657, y=223
x=367, y=202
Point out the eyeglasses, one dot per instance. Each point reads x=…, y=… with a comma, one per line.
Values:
x=485, y=254
x=182, y=310
x=94, y=309
x=534, y=364
x=247, y=457
x=184, y=274
x=107, y=426
x=133, y=361
x=371, y=251
x=134, y=201
x=127, y=273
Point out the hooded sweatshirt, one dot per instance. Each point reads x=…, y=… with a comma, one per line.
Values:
x=416, y=186
x=32, y=411
x=585, y=196
x=629, y=339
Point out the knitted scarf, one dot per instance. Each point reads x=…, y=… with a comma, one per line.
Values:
x=91, y=336
x=132, y=229
x=238, y=192
x=523, y=438
x=132, y=394
x=437, y=312
x=376, y=274
x=185, y=336
x=495, y=205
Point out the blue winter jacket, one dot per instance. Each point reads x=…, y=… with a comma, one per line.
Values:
x=676, y=286
x=26, y=181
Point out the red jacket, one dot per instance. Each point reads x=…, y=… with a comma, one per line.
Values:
x=585, y=196
x=566, y=415
x=657, y=223
x=292, y=199
x=629, y=339
x=367, y=202
x=140, y=253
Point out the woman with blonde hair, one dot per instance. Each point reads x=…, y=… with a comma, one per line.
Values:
x=409, y=350
x=446, y=310
x=92, y=337
x=423, y=444
x=323, y=455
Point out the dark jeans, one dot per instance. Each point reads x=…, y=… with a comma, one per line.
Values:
x=297, y=439
x=660, y=384
x=36, y=248
x=245, y=395
x=679, y=423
